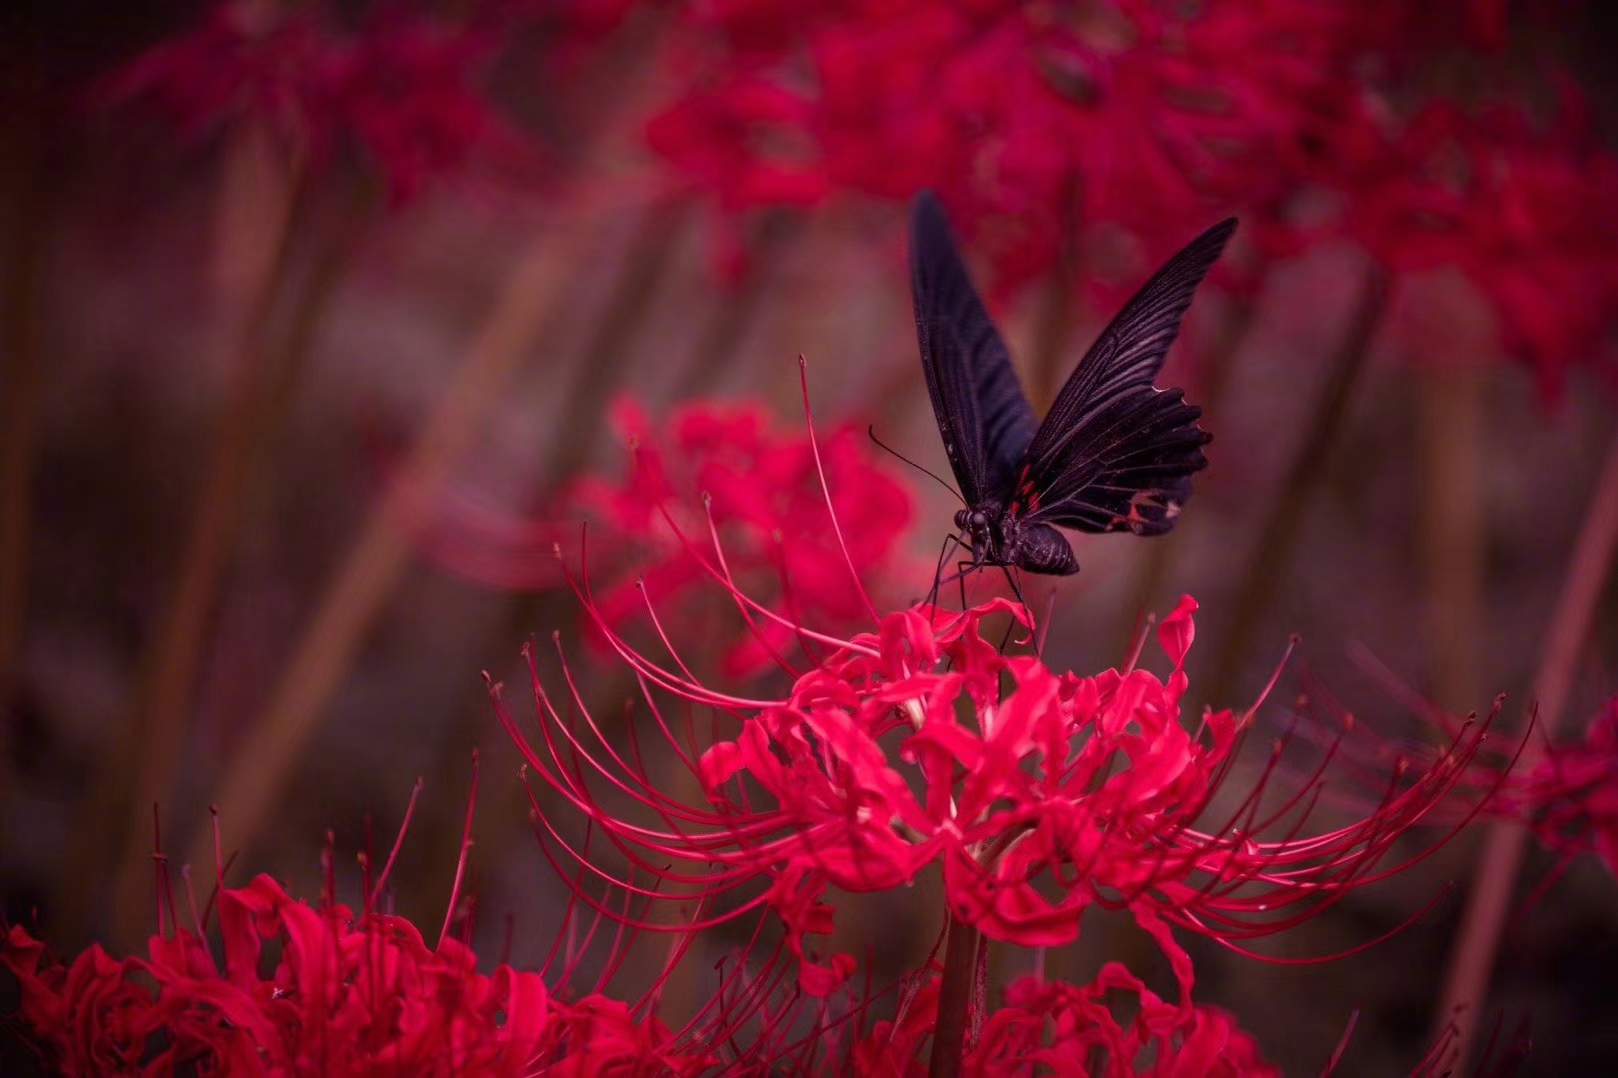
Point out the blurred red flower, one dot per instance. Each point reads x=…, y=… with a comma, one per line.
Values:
x=402, y=89
x=709, y=472
x=1527, y=212
x=1571, y=797
x=1048, y=1027
x=307, y=991
x=304, y=990
x=902, y=748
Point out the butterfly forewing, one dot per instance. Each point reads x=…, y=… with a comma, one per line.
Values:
x=1115, y=453
x=985, y=420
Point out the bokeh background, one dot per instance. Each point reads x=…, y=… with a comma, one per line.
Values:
x=292, y=291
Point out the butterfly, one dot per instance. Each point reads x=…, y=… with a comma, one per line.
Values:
x=1113, y=454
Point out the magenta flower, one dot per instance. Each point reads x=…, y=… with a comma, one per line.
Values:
x=708, y=469
x=402, y=91
x=1526, y=212
x=1048, y=1027
x=1571, y=798
x=300, y=989
x=917, y=742
x=1027, y=118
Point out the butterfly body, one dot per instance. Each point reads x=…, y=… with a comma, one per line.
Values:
x=997, y=536
x=1113, y=454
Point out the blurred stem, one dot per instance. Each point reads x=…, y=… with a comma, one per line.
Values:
x=1466, y=983
x=1450, y=434
x=954, y=999
x=531, y=300
x=265, y=383
x=261, y=766
x=616, y=328
x=729, y=321
x=142, y=757
x=20, y=376
x=626, y=311
x=1052, y=326
x=1158, y=563
x=1279, y=532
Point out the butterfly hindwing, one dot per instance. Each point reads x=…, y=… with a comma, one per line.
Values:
x=1115, y=453
x=986, y=422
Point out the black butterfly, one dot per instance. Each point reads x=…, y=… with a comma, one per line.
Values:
x=1113, y=454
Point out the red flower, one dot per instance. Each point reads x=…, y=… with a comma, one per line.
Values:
x=340, y=996
x=1571, y=798
x=1525, y=211
x=1052, y=1028
x=96, y=1020
x=710, y=471
x=305, y=990
x=241, y=61
x=403, y=89
x=1028, y=118
x=406, y=92
x=903, y=747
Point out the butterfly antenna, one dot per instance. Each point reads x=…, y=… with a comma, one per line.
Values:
x=871, y=430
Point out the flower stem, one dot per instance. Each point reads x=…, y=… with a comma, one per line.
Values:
x=612, y=342
x=718, y=345
x=1489, y=900
x=954, y=999
x=1451, y=504
x=266, y=383
x=1279, y=532
x=1053, y=325
x=22, y=170
x=142, y=760
x=362, y=583
x=531, y=300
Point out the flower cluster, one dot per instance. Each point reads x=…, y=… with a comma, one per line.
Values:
x=1039, y=794
x=1101, y=135
x=708, y=470
x=1524, y=210
x=403, y=89
x=1571, y=798
x=1049, y=1027
x=1027, y=118
x=302, y=990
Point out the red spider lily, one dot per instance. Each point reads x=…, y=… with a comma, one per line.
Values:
x=1056, y=132
x=1026, y=117
x=297, y=989
x=1525, y=212
x=902, y=747
x=402, y=90
x=1571, y=797
x=724, y=467
x=1066, y=1030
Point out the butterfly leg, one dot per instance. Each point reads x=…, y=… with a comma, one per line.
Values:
x=961, y=569
x=1014, y=579
x=951, y=543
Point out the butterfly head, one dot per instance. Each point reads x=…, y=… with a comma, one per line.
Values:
x=978, y=524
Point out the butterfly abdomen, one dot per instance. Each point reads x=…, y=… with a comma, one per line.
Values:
x=1040, y=548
